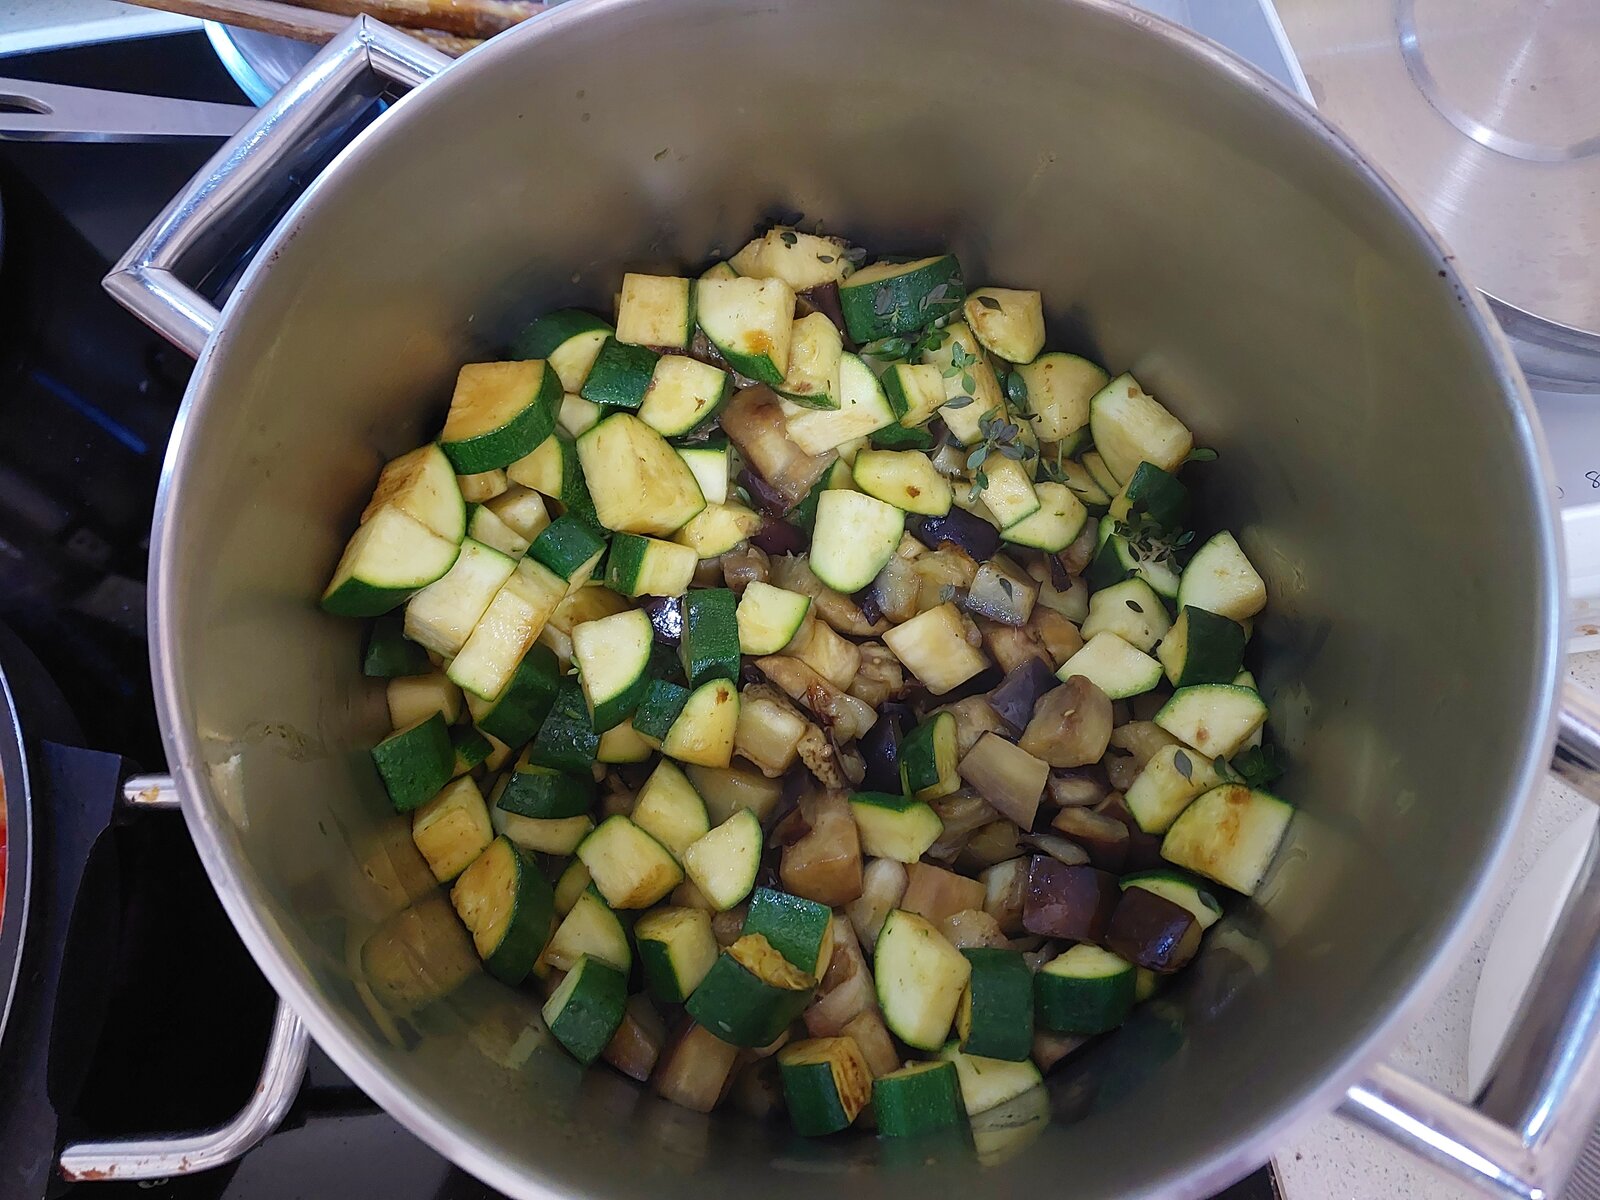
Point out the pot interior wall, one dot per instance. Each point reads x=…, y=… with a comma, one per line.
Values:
x=1179, y=227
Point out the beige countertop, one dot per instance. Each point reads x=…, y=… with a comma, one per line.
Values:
x=1332, y=1159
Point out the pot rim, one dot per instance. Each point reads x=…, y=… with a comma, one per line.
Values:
x=455, y=1139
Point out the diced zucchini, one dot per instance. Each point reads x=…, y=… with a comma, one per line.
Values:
x=987, y=1083
x=577, y=416
x=933, y=646
x=711, y=469
x=814, y=353
x=769, y=617
x=751, y=993
x=683, y=395
x=589, y=928
x=415, y=762
x=894, y=826
x=389, y=557
x=1229, y=835
x=663, y=702
x=1059, y=520
x=483, y=525
x=1182, y=890
x=920, y=977
x=995, y=1019
x=643, y=566
x=971, y=389
x=1133, y=612
x=1111, y=664
x=483, y=486
x=553, y=462
x=1154, y=492
x=613, y=655
x=1172, y=778
x=1116, y=560
x=723, y=862
x=1059, y=388
x=620, y=376
x=499, y=413
x=565, y=740
x=1085, y=990
x=442, y=615
x=571, y=549
x=676, y=951
x=728, y=790
x=656, y=310
x=1010, y=493
x=532, y=791
x=569, y=886
x=388, y=654
x=568, y=339
x=506, y=904
x=854, y=538
x=1214, y=718
x=1007, y=322
x=826, y=1084
x=1201, y=648
x=863, y=408
x=422, y=484
x=904, y=478
x=507, y=630
x=889, y=298
x=414, y=698
x=718, y=528
x=629, y=867
x=750, y=322
x=624, y=744
x=915, y=392
x=637, y=481
x=452, y=829
x=1083, y=485
x=802, y=260
x=768, y=733
x=670, y=810
x=522, y=510
x=799, y=929
x=839, y=478
x=499, y=753
x=930, y=758
x=917, y=1099
x=900, y=437
x=1130, y=427
x=720, y=270
x=709, y=644
x=538, y=835
x=515, y=715
x=1220, y=579
x=585, y=1010
x=472, y=749
x=706, y=727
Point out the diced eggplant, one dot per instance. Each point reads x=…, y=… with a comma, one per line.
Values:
x=974, y=718
x=867, y=601
x=934, y=893
x=838, y=712
x=1019, y=692
x=1121, y=770
x=1010, y=647
x=728, y=926
x=1141, y=739
x=769, y=729
x=779, y=537
x=1075, y=903
x=793, y=572
x=963, y=812
x=741, y=568
x=1144, y=849
x=1153, y=932
x=880, y=748
x=825, y=865
x=1105, y=838
x=959, y=528
x=696, y=1069
x=877, y=1047
x=666, y=617
x=1050, y=1048
x=1077, y=787
x=824, y=298
x=845, y=990
x=895, y=590
x=1075, y=558
x=1065, y=852
x=1058, y=635
x=1001, y=595
x=1071, y=725
x=1007, y=776
x=825, y=652
x=637, y=1044
x=993, y=843
x=1005, y=888
x=972, y=927
x=879, y=678
x=755, y=425
x=883, y=885
x=823, y=758
x=758, y=1089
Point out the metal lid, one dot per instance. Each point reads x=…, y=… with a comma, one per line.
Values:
x=1486, y=113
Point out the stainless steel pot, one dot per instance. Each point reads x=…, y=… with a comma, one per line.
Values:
x=1186, y=220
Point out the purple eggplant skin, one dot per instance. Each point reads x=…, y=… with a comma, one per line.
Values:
x=867, y=601
x=666, y=615
x=1151, y=931
x=1102, y=836
x=767, y=499
x=1014, y=700
x=961, y=529
x=780, y=537
x=1144, y=849
x=880, y=748
x=824, y=298
x=1075, y=903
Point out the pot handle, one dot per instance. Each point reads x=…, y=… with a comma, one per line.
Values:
x=244, y=185
x=1523, y=1137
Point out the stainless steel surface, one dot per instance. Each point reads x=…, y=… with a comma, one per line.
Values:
x=1486, y=113
x=188, y=1154
x=251, y=173
x=1227, y=246
x=1577, y=758
x=150, y=791
x=49, y=112
x=16, y=856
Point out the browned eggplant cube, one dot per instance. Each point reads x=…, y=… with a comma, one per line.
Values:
x=1151, y=931
x=1068, y=902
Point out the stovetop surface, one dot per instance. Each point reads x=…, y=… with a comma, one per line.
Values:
x=87, y=400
